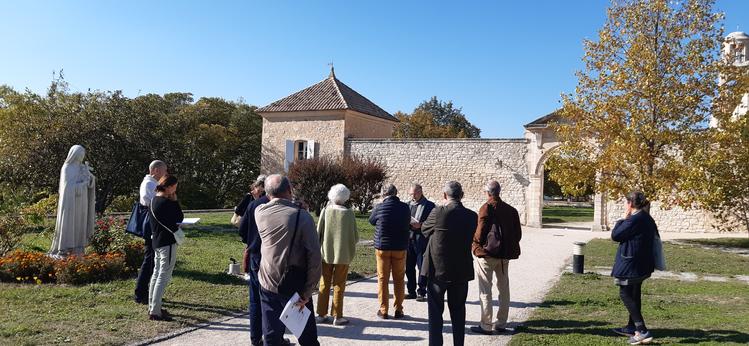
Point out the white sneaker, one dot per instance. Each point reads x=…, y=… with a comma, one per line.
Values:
x=339, y=321
x=322, y=319
x=641, y=338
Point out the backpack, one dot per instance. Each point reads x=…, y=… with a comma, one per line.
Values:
x=493, y=239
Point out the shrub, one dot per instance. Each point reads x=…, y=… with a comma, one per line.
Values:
x=364, y=178
x=37, y=212
x=12, y=228
x=27, y=266
x=122, y=203
x=78, y=270
x=109, y=235
x=313, y=178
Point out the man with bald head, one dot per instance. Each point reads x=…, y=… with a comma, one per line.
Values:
x=156, y=170
x=288, y=240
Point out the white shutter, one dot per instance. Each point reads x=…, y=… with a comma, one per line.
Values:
x=310, y=149
x=289, y=155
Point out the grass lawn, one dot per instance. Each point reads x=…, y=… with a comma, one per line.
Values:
x=742, y=243
x=105, y=313
x=567, y=214
x=581, y=309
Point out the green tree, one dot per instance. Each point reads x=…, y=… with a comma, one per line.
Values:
x=435, y=119
x=212, y=144
x=646, y=89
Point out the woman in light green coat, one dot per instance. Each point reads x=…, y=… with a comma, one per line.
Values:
x=338, y=238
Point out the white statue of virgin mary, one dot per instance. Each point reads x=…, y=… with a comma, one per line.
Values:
x=75, y=210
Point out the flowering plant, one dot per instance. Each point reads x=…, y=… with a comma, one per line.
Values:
x=77, y=270
x=27, y=266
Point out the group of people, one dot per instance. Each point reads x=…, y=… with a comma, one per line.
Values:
x=287, y=253
x=447, y=242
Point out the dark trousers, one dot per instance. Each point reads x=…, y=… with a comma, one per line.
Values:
x=457, y=292
x=272, y=304
x=414, y=257
x=146, y=270
x=256, y=316
x=631, y=296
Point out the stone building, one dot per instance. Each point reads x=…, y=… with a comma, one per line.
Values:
x=331, y=119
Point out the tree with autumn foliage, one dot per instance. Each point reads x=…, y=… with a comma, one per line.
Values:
x=644, y=95
x=720, y=166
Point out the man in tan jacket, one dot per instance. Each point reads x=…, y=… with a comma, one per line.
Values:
x=278, y=222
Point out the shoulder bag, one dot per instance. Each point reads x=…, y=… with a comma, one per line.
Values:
x=294, y=277
x=135, y=222
x=179, y=236
x=494, y=237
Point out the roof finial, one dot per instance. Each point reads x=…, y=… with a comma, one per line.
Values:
x=332, y=71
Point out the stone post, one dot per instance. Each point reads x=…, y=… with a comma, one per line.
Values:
x=535, y=200
x=599, y=213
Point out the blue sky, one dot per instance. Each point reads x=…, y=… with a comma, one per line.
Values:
x=505, y=63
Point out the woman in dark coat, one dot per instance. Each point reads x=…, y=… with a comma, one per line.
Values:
x=635, y=261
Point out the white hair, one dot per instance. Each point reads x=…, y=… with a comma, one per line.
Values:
x=339, y=194
x=156, y=164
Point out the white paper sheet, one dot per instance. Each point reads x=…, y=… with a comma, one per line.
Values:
x=189, y=221
x=294, y=319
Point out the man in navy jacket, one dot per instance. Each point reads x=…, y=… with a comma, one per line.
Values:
x=391, y=219
x=420, y=208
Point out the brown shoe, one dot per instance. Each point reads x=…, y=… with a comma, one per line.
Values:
x=398, y=315
x=381, y=315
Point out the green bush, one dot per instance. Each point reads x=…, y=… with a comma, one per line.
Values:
x=122, y=203
x=12, y=228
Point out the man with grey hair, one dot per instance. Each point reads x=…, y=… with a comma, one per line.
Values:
x=156, y=170
x=391, y=219
x=290, y=260
x=420, y=209
x=495, y=242
x=448, y=264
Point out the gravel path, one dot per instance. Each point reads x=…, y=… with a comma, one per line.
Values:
x=545, y=253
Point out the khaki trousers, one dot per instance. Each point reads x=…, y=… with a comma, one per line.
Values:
x=337, y=273
x=391, y=261
x=485, y=269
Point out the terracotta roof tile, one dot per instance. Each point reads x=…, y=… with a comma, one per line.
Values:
x=329, y=94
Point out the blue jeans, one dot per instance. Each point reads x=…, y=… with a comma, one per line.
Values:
x=414, y=258
x=273, y=328
x=256, y=319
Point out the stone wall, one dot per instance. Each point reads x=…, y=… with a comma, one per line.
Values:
x=472, y=162
x=675, y=219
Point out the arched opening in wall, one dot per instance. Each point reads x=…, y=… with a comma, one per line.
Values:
x=564, y=208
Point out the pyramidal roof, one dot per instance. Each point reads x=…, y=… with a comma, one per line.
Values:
x=329, y=94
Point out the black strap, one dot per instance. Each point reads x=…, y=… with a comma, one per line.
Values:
x=157, y=220
x=296, y=227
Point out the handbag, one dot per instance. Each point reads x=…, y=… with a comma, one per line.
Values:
x=135, y=222
x=660, y=258
x=179, y=236
x=294, y=277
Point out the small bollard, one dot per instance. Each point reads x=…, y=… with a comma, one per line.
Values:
x=578, y=259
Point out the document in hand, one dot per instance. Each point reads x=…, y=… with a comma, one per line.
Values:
x=189, y=221
x=293, y=318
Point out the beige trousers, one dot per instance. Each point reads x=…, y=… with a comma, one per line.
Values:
x=486, y=268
